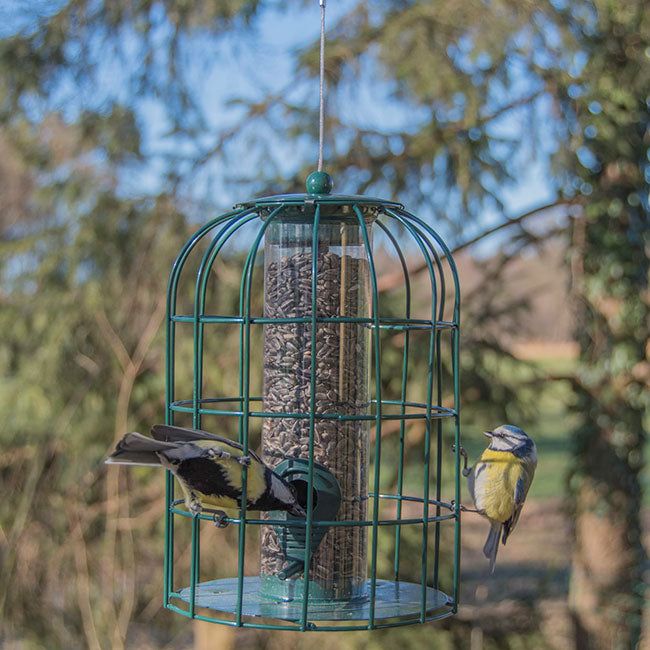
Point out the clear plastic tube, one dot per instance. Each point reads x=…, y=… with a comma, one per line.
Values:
x=338, y=569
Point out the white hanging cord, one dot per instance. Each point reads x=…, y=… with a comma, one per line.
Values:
x=321, y=120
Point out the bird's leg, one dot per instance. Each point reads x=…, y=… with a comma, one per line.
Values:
x=218, y=453
x=194, y=505
x=462, y=508
x=218, y=516
x=463, y=452
x=220, y=519
x=466, y=472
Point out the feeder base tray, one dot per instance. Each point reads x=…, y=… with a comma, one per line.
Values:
x=392, y=600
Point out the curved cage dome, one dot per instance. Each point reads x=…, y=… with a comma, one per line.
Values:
x=343, y=366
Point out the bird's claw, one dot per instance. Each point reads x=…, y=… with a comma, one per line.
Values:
x=245, y=461
x=461, y=450
x=220, y=519
x=461, y=507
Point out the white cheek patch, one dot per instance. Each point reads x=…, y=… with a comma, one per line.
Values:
x=280, y=491
x=501, y=444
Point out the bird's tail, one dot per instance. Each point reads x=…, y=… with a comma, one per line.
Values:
x=492, y=544
x=136, y=449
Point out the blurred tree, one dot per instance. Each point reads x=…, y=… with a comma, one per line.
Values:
x=609, y=115
x=83, y=296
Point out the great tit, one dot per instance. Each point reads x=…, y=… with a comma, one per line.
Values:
x=209, y=470
x=499, y=482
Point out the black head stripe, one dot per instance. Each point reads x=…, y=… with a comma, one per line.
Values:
x=524, y=449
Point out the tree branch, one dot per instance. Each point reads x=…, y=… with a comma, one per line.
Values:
x=119, y=349
x=391, y=280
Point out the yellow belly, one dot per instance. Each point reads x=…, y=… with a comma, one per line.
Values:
x=495, y=482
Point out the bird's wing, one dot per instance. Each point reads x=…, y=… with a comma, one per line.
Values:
x=169, y=433
x=471, y=479
x=521, y=489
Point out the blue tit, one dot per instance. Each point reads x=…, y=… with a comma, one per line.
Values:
x=499, y=481
x=209, y=470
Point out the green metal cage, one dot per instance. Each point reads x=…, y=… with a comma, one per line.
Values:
x=326, y=378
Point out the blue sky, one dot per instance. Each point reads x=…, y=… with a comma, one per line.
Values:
x=231, y=67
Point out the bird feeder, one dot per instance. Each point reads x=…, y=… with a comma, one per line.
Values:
x=326, y=376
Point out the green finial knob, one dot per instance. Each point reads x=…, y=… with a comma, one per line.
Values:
x=319, y=183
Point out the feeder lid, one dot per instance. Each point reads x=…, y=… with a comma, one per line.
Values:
x=319, y=186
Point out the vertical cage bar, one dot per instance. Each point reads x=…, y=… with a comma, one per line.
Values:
x=439, y=422
x=456, y=370
x=170, y=367
x=423, y=243
x=169, y=537
x=244, y=372
x=457, y=530
x=197, y=370
x=405, y=360
x=427, y=471
x=438, y=364
x=169, y=479
x=438, y=460
x=378, y=392
x=194, y=562
x=427, y=435
x=312, y=421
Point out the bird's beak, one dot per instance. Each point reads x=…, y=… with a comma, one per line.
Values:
x=297, y=510
x=489, y=434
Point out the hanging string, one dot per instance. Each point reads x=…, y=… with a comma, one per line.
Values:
x=321, y=118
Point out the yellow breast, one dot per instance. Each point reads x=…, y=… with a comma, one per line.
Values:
x=495, y=481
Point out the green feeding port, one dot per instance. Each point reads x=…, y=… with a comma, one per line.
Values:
x=326, y=500
x=350, y=388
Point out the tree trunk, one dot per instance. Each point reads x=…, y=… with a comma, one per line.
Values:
x=606, y=576
x=212, y=636
x=607, y=589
